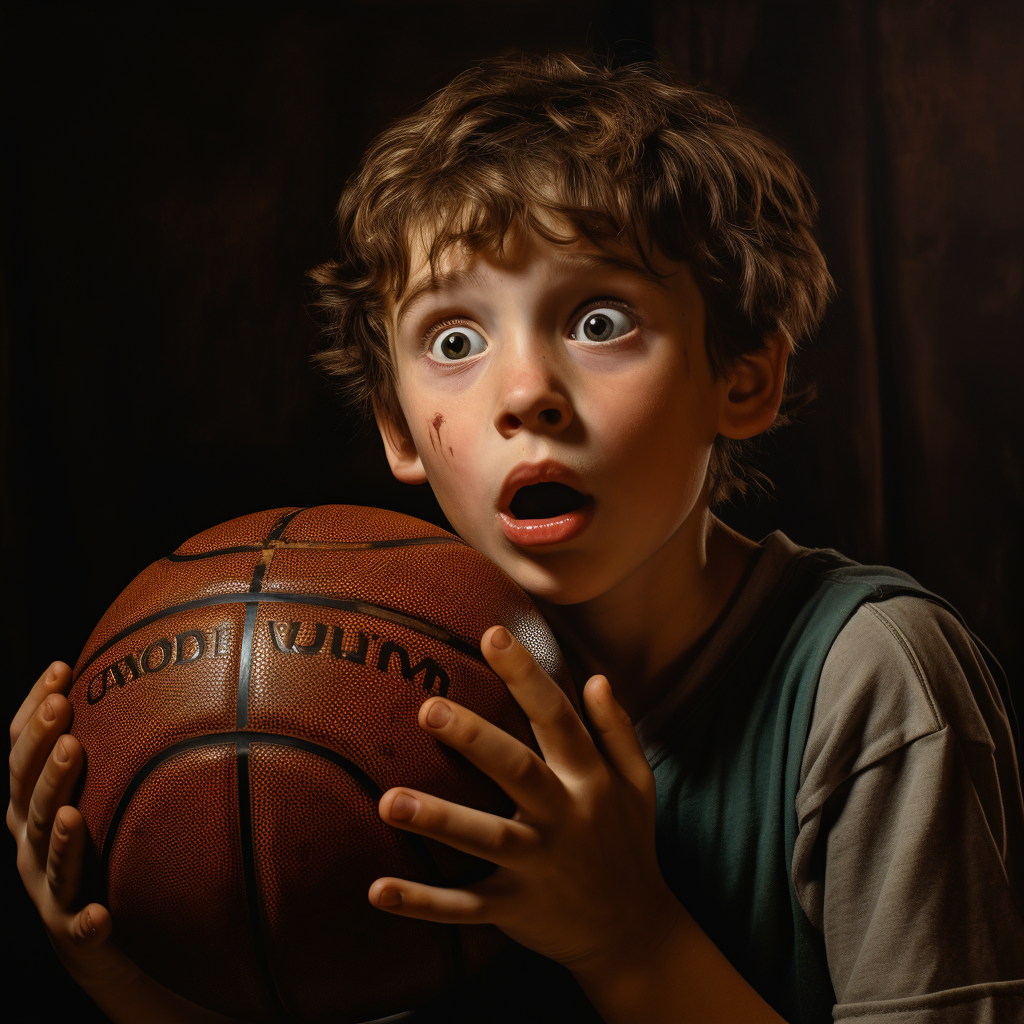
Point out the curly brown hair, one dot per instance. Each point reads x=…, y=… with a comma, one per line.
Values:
x=617, y=155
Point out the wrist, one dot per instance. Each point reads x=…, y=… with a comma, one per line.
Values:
x=623, y=973
x=98, y=966
x=679, y=976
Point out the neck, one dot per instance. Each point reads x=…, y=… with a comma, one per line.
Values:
x=649, y=622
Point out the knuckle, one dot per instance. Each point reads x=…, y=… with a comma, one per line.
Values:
x=506, y=841
x=562, y=714
x=37, y=824
x=600, y=785
x=518, y=663
x=48, y=775
x=471, y=911
x=523, y=768
x=524, y=661
x=466, y=728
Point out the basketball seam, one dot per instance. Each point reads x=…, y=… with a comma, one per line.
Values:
x=251, y=882
x=246, y=839
x=358, y=775
x=312, y=545
x=282, y=524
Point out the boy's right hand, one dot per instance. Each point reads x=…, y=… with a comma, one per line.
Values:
x=51, y=836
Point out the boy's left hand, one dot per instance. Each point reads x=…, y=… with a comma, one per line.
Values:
x=578, y=877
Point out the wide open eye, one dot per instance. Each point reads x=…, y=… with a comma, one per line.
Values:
x=604, y=324
x=456, y=343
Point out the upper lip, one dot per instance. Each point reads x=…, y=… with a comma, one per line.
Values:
x=527, y=473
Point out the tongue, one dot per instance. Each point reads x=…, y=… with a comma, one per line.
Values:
x=545, y=501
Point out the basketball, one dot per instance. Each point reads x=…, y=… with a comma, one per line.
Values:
x=243, y=705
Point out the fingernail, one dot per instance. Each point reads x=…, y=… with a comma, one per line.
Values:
x=48, y=713
x=58, y=826
x=60, y=752
x=90, y=924
x=389, y=898
x=501, y=638
x=438, y=715
x=403, y=807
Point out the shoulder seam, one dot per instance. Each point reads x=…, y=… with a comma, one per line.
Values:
x=897, y=635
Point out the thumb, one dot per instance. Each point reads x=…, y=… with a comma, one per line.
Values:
x=90, y=926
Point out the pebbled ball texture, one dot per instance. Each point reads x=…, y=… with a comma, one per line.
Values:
x=243, y=705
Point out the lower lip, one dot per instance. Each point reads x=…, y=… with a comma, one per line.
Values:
x=530, y=532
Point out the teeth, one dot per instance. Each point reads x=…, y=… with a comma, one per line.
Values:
x=545, y=501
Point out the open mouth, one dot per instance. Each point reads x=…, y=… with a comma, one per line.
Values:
x=545, y=501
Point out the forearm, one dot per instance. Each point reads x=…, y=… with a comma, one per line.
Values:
x=684, y=978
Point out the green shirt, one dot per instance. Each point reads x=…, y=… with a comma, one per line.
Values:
x=727, y=782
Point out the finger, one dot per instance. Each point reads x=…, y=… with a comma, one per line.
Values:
x=90, y=926
x=428, y=902
x=33, y=746
x=54, y=680
x=618, y=738
x=66, y=852
x=52, y=791
x=502, y=841
x=560, y=733
x=515, y=767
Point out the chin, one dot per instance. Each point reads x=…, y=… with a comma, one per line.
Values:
x=560, y=582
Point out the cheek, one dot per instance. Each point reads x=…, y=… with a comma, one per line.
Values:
x=440, y=433
x=659, y=416
x=454, y=467
x=441, y=412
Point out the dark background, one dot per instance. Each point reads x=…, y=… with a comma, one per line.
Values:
x=170, y=179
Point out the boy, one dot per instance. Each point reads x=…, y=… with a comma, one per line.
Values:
x=568, y=295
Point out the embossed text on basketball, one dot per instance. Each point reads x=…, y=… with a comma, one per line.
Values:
x=286, y=634
x=181, y=649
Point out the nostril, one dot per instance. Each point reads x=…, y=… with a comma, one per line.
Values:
x=551, y=416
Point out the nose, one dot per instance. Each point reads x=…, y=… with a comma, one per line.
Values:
x=532, y=399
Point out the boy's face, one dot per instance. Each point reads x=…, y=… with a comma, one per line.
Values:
x=557, y=366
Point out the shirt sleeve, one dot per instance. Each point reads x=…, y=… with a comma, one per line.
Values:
x=910, y=841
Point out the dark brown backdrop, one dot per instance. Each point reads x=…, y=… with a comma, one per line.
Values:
x=168, y=182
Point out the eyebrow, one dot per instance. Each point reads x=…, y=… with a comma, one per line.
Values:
x=436, y=283
x=599, y=261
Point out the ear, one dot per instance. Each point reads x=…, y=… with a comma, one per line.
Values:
x=753, y=389
x=403, y=458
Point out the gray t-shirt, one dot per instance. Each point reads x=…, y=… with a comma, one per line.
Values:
x=910, y=850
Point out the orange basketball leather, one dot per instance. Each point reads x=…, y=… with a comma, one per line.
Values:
x=243, y=705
